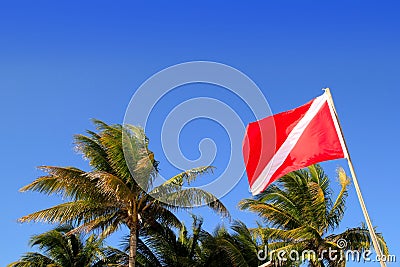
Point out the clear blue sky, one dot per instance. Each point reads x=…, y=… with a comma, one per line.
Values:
x=64, y=63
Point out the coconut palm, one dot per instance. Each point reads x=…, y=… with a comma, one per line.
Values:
x=164, y=246
x=300, y=213
x=239, y=247
x=118, y=190
x=172, y=247
x=62, y=250
x=160, y=245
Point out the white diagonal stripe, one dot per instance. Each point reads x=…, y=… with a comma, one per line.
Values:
x=280, y=156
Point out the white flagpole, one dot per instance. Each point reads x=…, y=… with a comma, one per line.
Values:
x=356, y=185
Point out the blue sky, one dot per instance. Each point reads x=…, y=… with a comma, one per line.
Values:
x=62, y=63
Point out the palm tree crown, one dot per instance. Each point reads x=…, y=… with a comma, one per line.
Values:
x=62, y=250
x=118, y=190
x=300, y=213
x=164, y=246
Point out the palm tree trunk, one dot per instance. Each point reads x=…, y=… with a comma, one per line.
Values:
x=132, y=245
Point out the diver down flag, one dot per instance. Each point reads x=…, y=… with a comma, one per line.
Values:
x=291, y=140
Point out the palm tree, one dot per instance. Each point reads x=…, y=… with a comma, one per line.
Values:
x=236, y=248
x=118, y=190
x=63, y=250
x=163, y=246
x=160, y=245
x=300, y=212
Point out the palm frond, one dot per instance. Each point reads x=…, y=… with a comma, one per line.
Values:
x=318, y=208
x=111, y=186
x=176, y=183
x=107, y=223
x=70, y=212
x=234, y=254
x=32, y=259
x=275, y=215
x=337, y=212
x=92, y=150
x=300, y=233
x=194, y=197
x=189, y=175
x=359, y=238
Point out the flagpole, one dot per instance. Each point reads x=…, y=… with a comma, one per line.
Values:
x=356, y=185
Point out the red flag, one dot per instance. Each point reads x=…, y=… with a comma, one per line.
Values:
x=291, y=140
